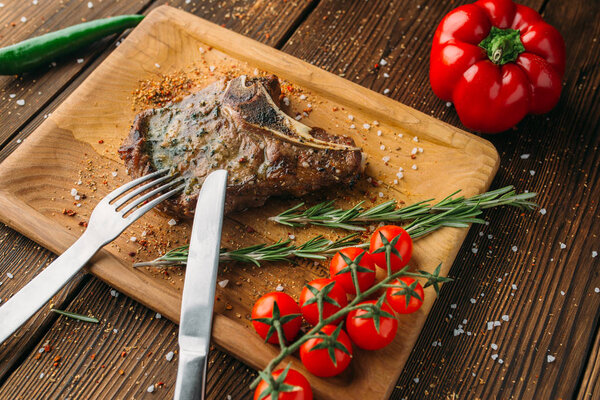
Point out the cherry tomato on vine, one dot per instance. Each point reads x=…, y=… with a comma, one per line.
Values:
x=407, y=298
x=372, y=329
x=272, y=306
x=353, y=258
x=328, y=356
x=323, y=291
x=291, y=385
x=399, y=243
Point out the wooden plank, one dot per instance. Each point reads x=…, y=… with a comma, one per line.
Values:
x=70, y=139
x=39, y=88
x=590, y=382
x=563, y=156
x=248, y=16
x=21, y=260
x=121, y=357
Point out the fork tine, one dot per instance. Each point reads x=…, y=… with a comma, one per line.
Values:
x=122, y=189
x=148, y=195
x=147, y=207
x=119, y=202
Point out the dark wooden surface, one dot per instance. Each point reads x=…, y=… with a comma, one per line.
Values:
x=552, y=309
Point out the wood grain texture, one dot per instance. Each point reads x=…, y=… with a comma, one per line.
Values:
x=37, y=89
x=92, y=142
x=119, y=358
x=246, y=15
x=564, y=159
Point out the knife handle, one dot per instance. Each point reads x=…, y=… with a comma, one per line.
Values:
x=191, y=376
x=33, y=296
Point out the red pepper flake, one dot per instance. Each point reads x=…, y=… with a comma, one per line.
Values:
x=123, y=353
x=47, y=348
x=93, y=356
x=83, y=223
x=334, y=109
x=160, y=384
x=250, y=229
x=413, y=156
x=121, y=372
x=56, y=360
x=69, y=212
x=132, y=254
x=242, y=160
x=100, y=141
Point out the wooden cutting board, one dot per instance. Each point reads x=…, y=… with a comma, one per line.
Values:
x=75, y=148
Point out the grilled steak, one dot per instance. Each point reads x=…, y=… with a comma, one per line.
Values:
x=238, y=126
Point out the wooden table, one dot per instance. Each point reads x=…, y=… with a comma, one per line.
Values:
x=533, y=272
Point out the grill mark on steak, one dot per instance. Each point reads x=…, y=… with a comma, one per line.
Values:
x=238, y=126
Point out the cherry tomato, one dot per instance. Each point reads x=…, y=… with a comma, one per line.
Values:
x=326, y=291
x=345, y=260
x=316, y=354
x=361, y=326
x=287, y=309
x=410, y=290
x=400, y=252
x=293, y=386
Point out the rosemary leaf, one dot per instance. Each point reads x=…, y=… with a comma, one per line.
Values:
x=75, y=316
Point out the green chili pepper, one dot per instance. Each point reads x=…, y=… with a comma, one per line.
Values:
x=38, y=51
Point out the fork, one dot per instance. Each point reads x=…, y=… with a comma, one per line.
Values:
x=115, y=212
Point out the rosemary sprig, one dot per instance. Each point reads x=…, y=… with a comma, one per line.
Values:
x=317, y=248
x=458, y=212
x=433, y=279
x=72, y=315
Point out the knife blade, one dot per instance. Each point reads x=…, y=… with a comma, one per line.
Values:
x=199, y=288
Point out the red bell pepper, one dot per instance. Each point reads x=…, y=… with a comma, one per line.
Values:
x=496, y=61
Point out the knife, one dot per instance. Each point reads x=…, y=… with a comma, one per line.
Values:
x=199, y=288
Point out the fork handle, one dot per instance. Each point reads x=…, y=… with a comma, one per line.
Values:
x=40, y=289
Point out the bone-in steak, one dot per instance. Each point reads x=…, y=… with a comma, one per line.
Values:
x=238, y=126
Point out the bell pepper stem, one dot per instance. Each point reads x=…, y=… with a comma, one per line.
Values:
x=502, y=45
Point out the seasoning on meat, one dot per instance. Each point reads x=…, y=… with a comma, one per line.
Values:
x=237, y=125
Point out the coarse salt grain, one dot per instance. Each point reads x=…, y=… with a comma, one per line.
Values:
x=114, y=293
x=514, y=249
x=490, y=325
x=302, y=97
x=594, y=254
x=532, y=172
x=380, y=194
x=352, y=126
x=513, y=286
x=172, y=222
x=150, y=389
x=416, y=380
x=416, y=139
x=550, y=358
x=114, y=173
x=79, y=60
x=494, y=356
x=597, y=290
x=382, y=147
x=414, y=151
x=90, y=4
x=414, y=166
x=524, y=156
x=12, y=95
x=473, y=301
x=9, y=275
x=133, y=239
x=494, y=346
x=157, y=65
x=382, y=62
x=286, y=101
x=169, y=356
x=386, y=75
x=279, y=288
x=379, y=133
x=223, y=283
x=158, y=315
x=73, y=192
x=400, y=135
x=351, y=117
x=41, y=375
x=386, y=159
x=453, y=306
x=386, y=91
x=298, y=117
x=115, y=331
x=562, y=245
x=395, y=181
x=500, y=361
x=448, y=104
x=562, y=292
x=366, y=126
x=292, y=237
x=375, y=123
x=23, y=19
x=400, y=175
x=20, y=102
x=505, y=318
x=543, y=211
x=212, y=68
